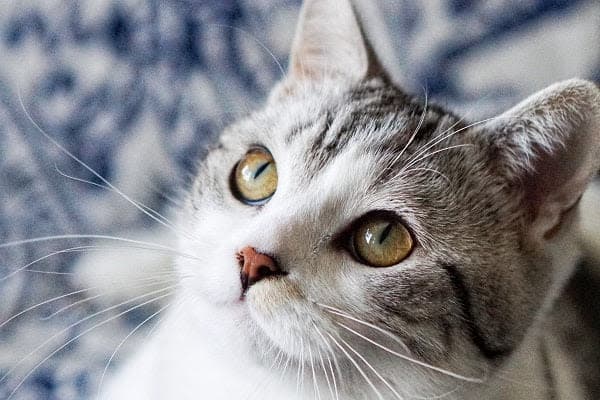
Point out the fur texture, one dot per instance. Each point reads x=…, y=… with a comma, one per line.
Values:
x=492, y=206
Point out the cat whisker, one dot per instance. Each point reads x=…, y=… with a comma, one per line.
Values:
x=33, y=307
x=285, y=367
x=77, y=249
x=364, y=360
x=54, y=253
x=278, y=360
x=329, y=351
x=131, y=333
x=37, y=271
x=340, y=313
x=98, y=237
x=332, y=353
x=314, y=376
x=301, y=366
x=411, y=163
x=337, y=311
x=261, y=44
x=322, y=363
x=435, y=171
x=12, y=393
x=90, y=169
x=413, y=135
x=446, y=134
x=411, y=359
x=65, y=330
x=81, y=180
x=298, y=379
x=149, y=209
x=175, y=201
x=356, y=365
x=337, y=395
x=91, y=298
x=56, y=298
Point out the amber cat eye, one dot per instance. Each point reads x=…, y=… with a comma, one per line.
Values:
x=381, y=241
x=254, y=179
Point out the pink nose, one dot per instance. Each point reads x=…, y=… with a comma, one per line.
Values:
x=255, y=266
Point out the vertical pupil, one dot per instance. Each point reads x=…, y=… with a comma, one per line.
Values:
x=385, y=233
x=261, y=169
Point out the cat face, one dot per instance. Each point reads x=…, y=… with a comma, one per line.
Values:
x=339, y=163
x=389, y=225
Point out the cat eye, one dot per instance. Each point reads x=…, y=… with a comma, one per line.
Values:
x=254, y=179
x=381, y=241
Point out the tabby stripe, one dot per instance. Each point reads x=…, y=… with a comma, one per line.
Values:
x=318, y=143
x=463, y=296
x=298, y=129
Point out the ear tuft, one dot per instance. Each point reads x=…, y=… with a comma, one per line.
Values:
x=329, y=41
x=550, y=144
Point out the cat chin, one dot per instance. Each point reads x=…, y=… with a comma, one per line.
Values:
x=272, y=317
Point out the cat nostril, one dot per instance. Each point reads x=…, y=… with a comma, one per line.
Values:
x=263, y=270
x=255, y=266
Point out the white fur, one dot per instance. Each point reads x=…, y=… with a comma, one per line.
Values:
x=213, y=345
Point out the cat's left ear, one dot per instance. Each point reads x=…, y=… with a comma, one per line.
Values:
x=550, y=146
x=330, y=41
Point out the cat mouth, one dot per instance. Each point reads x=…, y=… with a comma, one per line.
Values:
x=246, y=286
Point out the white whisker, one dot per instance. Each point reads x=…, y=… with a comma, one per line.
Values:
x=133, y=331
x=335, y=361
x=446, y=134
x=77, y=249
x=341, y=313
x=435, y=171
x=90, y=169
x=63, y=331
x=410, y=164
x=91, y=298
x=33, y=307
x=77, y=337
x=322, y=362
x=301, y=366
x=413, y=136
x=145, y=207
x=413, y=360
x=314, y=376
x=368, y=364
x=360, y=370
x=261, y=44
x=37, y=271
x=93, y=236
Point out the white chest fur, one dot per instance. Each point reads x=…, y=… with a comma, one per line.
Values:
x=189, y=359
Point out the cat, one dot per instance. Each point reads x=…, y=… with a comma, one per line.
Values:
x=351, y=241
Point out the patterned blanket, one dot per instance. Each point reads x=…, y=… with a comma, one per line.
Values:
x=136, y=89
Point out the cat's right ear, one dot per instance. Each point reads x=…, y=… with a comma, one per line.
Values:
x=330, y=42
x=549, y=145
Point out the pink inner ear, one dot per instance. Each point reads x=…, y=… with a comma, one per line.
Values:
x=558, y=182
x=551, y=147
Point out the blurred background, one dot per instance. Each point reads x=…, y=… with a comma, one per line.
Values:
x=137, y=89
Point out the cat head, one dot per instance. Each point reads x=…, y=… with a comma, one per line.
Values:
x=347, y=217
